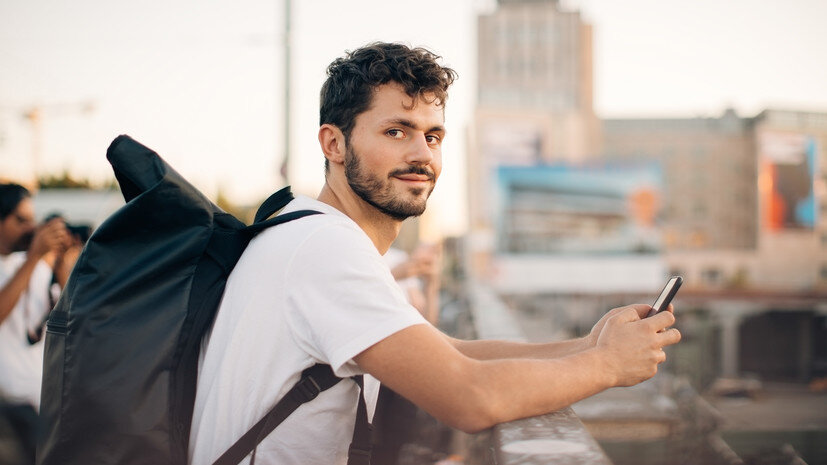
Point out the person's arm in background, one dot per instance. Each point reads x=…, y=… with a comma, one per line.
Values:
x=425, y=264
x=65, y=261
x=51, y=237
x=432, y=280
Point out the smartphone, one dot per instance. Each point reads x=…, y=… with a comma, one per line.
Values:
x=666, y=295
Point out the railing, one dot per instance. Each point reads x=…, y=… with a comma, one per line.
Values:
x=553, y=439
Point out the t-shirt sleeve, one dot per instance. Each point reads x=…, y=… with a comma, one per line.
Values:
x=342, y=298
x=37, y=300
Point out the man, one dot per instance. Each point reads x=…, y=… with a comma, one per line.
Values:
x=317, y=290
x=29, y=256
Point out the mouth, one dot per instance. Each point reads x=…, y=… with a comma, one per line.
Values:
x=414, y=175
x=414, y=178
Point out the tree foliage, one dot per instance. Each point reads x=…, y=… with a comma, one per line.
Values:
x=65, y=180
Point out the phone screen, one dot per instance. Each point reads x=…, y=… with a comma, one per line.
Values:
x=666, y=295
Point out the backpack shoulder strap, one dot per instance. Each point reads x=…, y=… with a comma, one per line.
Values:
x=314, y=380
x=361, y=445
x=270, y=207
x=257, y=227
x=274, y=203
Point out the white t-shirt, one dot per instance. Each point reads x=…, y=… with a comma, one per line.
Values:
x=314, y=290
x=21, y=363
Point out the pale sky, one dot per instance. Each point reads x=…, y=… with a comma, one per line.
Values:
x=200, y=82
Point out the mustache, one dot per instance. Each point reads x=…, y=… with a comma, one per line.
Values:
x=421, y=170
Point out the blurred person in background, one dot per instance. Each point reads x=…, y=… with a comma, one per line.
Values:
x=31, y=257
x=418, y=274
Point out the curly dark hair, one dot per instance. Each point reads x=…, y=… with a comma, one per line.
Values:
x=351, y=80
x=10, y=197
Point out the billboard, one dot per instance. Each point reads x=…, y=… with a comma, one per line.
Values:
x=579, y=209
x=786, y=180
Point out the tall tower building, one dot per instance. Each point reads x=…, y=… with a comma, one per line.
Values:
x=540, y=208
x=534, y=97
x=535, y=60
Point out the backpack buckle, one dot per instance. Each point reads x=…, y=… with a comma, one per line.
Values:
x=309, y=388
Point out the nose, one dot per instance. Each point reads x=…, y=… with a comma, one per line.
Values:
x=420, y=152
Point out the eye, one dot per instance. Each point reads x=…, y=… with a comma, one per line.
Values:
x=395, y=133
x=433, y=139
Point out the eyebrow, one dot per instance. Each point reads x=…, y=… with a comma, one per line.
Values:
x=410, y=124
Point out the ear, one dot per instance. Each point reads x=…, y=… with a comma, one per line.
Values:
x=333, y=144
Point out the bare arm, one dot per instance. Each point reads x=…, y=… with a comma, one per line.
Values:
x=425, y=263
x=469, y=394
x=65, y=262
x=497, y=349
x=48, y=238
x=14, y=288
x=493, y=349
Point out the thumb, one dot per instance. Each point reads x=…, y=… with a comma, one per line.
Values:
x=633, y=312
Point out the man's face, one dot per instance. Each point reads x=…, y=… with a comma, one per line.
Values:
x=394, y=152
x=17, y=229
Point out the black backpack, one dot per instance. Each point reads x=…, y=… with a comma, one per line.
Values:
x=122, y=343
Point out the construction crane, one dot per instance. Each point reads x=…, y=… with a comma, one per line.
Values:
x=36, y=113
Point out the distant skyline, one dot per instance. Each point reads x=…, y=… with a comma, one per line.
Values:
x=201, y=82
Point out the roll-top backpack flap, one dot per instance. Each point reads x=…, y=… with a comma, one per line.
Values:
x=136, y=167
x=126, y=302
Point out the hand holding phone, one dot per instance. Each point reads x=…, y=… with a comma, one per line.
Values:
x=666, y=295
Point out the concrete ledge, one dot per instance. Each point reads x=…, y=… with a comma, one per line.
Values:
x=556, y=438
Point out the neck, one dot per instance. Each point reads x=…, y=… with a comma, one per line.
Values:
x=380, y=228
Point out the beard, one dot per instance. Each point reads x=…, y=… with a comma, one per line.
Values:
x=22, y=244
x=380, y=193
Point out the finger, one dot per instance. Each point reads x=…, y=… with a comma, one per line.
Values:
x=660, y=356
x=55, y=223
x=59, y=234
x=615, y=311
x=610, y=314
x=669, y=337
x=54, y=228
x=661, y=320
x=641, y=309
x=630, y=312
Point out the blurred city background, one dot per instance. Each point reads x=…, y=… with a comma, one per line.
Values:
x=595, y=148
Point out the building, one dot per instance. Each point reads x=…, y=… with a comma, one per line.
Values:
x=535, y=109
x=709, y=171
x=534, y=92
x=736, y=205
x=744, y=195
